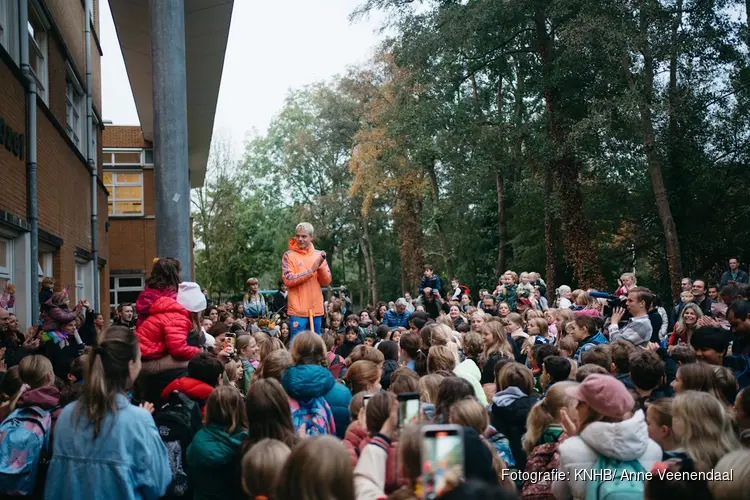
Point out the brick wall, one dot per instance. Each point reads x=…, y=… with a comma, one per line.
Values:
x=124, y=136
x=69, y=17
x=12, y=169
x=133, y=244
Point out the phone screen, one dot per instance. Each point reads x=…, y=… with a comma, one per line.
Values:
x=229, y=341
x=442, y=459
x=408, y=412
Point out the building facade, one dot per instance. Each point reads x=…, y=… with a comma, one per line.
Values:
x=128, y=163
x=56, y=31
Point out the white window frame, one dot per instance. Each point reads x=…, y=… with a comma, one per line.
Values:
x=38, y=48
x=112, y=188
x=108, y=157
x=9, y=28
x=75, y=109
x=84, y=280
x=6, y=268
x=116, y=289
x=46, y=260
x=94, y=130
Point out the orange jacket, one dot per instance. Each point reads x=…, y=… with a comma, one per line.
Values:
x=304, y=284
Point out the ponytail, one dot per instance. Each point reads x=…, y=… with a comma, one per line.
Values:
x=544, y=413
x=107, y=373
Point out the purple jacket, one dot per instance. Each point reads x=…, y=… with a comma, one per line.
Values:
x=46, y=398
x=57, y=316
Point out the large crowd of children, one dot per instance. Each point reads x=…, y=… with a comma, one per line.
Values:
x=590, y=396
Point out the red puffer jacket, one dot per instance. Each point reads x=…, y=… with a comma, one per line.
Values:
x=165, y=331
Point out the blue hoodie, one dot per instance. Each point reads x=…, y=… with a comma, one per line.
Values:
x=304, y=382
x=597, y=339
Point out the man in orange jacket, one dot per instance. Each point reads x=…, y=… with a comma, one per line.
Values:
x=304, y=271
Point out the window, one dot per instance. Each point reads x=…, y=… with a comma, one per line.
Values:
x=84, y=281
x=124, y=289
x=125, y=192
x=6, y=263
x=45, y=265
x=148, y=156
x=122, y=157
x=38, y=52
x=9, y=28
x=75, y=110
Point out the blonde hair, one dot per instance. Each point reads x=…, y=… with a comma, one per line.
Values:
x=516, y=319
x=428, y=387
x=470, y=413
x=270, y=345
x=308, y=349
x=261, y=467
x=530, y=314
x=230, y=370
x=225, y=407
x=737, y=464
x=541, y=323
x=306, y=228
x=441, y=335
x=243, y=341
x=516, y=375
x=324, y=479
x=440, y=357
x=501, y=344
x=544, y=413
x=628, y=275
x=682, y=327
x=35, y=371
x=707, y=433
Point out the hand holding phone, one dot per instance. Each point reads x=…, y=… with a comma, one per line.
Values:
x=442, y=458
x=229, y=342
x=408, y=409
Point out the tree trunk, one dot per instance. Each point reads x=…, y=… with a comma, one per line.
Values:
x=444, y=247
x=652, y=156
x=407, y=216
x=366, y=245
x=549, y=249
x=500, y=267
x=579, y=249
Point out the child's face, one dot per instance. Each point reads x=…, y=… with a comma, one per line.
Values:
x=533, y=329
x=369, y=341
x=579, y=333
x=709, y=356
x=512, y=327
x=428, y=273
x=627, y=281
x=454, y=283
x=351, y=336
x=339, y=339
x=335, y=323
x=504, y=280
x=239, y=372
x=364, y=318
x=525, y=279
x=352, y=322
x=251, y=351
x=677, y=385
x=503, y=309
x=566, y=353
x=396, y=335
x=207, y=324
x=686, y=297
x=655, y=431
x=284, y=330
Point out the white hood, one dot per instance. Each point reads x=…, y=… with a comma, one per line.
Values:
x=626, y=440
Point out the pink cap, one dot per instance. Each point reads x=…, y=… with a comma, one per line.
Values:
x=604, y=394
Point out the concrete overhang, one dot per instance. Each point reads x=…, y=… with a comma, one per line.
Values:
x=206, y=33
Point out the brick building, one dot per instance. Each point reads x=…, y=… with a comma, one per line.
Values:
x=56, y=33
x=128, y=161
x=70, y=165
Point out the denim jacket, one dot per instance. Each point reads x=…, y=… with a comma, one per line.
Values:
x=126, y=461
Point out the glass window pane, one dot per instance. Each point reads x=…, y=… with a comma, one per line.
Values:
x=130, y=297
x=128, y=207
x=107, y=178
x=132, y=177
x=111, y=282
x=148, y=155
x=128, y=193
x=130, y=282
x=109, y=208
x=3, y=254
x=112, y=300
x=128, y=158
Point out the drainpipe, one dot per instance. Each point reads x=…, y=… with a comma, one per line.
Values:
x=33, y=208
x=90, y=157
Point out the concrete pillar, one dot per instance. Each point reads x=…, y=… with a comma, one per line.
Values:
x=170, y=131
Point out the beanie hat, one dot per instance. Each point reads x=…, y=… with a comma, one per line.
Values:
x=604, y=394
x=191, y=297
x=711, y=337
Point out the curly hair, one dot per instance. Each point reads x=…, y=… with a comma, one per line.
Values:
x=165, y=274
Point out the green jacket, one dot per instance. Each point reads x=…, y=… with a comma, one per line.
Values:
x=213, y=464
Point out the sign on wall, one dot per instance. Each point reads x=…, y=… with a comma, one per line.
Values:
x=12, y=140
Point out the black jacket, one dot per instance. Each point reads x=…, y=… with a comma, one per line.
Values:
x=511, y=421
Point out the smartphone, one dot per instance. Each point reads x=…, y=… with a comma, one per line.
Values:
x=442, y=458
x=366, y=400
x=229, y=342
x=408, y=409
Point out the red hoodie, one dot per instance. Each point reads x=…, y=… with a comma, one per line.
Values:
x=194, y=389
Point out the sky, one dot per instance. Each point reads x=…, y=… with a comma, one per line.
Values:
x=273, y=46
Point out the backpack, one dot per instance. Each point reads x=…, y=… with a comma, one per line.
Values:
x=336, y=366
x=314, y=414
x=24, y=446
x=616, y=480
x=178, y=421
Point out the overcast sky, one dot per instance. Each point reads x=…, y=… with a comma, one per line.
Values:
x=273, y=46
